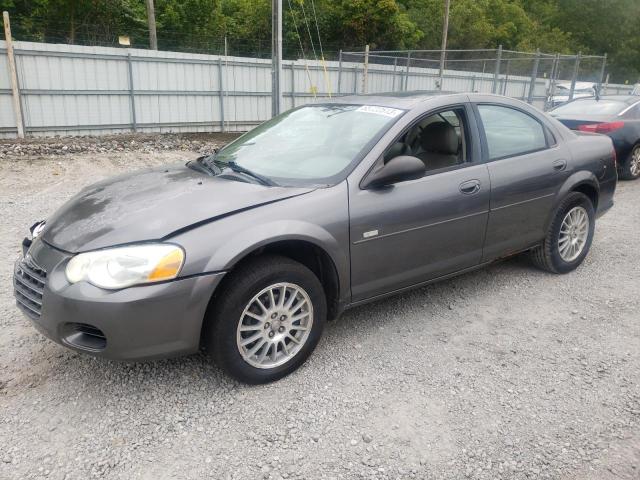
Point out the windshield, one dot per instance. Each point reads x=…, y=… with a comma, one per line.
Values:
x=590, y=107
x=311, y=145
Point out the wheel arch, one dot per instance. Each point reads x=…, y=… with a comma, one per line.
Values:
x=591, y=191
x=320, y=250
x=309, y=254
x=584, y=182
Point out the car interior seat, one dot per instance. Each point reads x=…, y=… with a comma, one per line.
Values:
x=440, y=146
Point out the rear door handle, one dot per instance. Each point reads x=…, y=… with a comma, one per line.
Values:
x=559, y=165
x=470, y=187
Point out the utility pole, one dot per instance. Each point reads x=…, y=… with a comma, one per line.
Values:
x=15, y=90
x=276, y=57
x=151, y=19
x=445, y=29
x=365, y=70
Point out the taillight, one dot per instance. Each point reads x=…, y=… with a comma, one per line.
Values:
x=601, y=127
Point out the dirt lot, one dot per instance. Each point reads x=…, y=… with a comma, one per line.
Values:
x=505, y=373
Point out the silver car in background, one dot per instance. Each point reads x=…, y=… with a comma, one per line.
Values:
x=562, y=93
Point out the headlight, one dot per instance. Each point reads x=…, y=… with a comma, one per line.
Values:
x=122, y=267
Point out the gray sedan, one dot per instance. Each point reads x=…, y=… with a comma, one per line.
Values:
x=249, y=251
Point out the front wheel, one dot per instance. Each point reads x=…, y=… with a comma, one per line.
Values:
x=631, y=168
x=569, y=236
x=267, y=319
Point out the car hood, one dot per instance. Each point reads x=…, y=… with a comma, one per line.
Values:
x=150, y=205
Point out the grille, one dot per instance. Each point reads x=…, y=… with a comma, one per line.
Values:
x=28, y=282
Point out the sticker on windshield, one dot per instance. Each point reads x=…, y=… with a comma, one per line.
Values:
x=386, y=111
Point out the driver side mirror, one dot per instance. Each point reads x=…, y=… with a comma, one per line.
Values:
x=398, y=169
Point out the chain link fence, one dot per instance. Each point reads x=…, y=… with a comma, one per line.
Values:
x=541, y=79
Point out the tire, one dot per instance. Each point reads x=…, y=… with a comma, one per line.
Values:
x=235, y=305
x=631, y=167
x=548, y=255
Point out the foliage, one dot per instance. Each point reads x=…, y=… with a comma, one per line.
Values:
x=564, y=26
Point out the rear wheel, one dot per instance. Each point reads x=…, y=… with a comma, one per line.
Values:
x=569, y=236
x=267, y=319
x=631, y=168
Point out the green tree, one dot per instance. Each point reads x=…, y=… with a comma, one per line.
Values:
x=564, y=26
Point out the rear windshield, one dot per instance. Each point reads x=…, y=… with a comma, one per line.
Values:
x=590, y=106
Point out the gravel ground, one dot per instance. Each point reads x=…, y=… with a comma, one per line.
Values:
x=505, y=373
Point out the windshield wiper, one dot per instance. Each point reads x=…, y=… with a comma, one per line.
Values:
x=200, y=164
x=210, y=162
x=239, y=169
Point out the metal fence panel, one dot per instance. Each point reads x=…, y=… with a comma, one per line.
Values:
x=77, y=90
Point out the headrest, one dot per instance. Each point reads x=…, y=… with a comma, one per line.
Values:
x=439, y=137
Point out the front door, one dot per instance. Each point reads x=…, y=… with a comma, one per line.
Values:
x=418, y=230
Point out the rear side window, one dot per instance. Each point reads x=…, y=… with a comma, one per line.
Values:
x=510, y=132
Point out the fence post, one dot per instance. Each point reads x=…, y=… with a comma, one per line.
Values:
x=132, y=94
x=393, y=77
x=505, y=82
x=406, y=72
x=534, y=77
x=574, y=77
x=355, y=80
x=442, y=63
x=293, y=84
x=554, y=73
x=365, y=69
x=473, y=83
x=496, y=73
x=221, y=94
x=13, y=74
x=339, y=72
x=602, y=69
x=606, y=85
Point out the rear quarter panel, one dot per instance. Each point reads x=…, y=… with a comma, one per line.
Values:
x=592, y=156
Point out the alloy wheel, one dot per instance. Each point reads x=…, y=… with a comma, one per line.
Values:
x=275, y=325
x=634, y=166
x=574, y=232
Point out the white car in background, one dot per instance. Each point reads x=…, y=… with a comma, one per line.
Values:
x=636, y=89
x=561, y=92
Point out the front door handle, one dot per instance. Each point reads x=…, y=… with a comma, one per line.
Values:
x=470, y=187
x=559, y=165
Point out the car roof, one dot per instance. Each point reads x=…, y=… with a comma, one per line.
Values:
x=410, y=99
x=580, y=85
x=404, y=100
x=628, y=99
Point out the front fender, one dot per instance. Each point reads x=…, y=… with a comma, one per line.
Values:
x=240, y=245
x=320, y=218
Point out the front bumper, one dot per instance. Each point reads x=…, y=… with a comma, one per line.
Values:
x=136, y=323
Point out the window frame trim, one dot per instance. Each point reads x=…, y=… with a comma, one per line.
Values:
x=472, y=131
x=484, y=144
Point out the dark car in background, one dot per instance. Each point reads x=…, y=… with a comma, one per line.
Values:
x=617, y=116
x=249, y=251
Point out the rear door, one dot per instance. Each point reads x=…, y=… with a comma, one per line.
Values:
x=527, y=166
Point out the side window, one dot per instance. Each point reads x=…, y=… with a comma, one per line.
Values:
x=510, y=132
x=438, y=139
